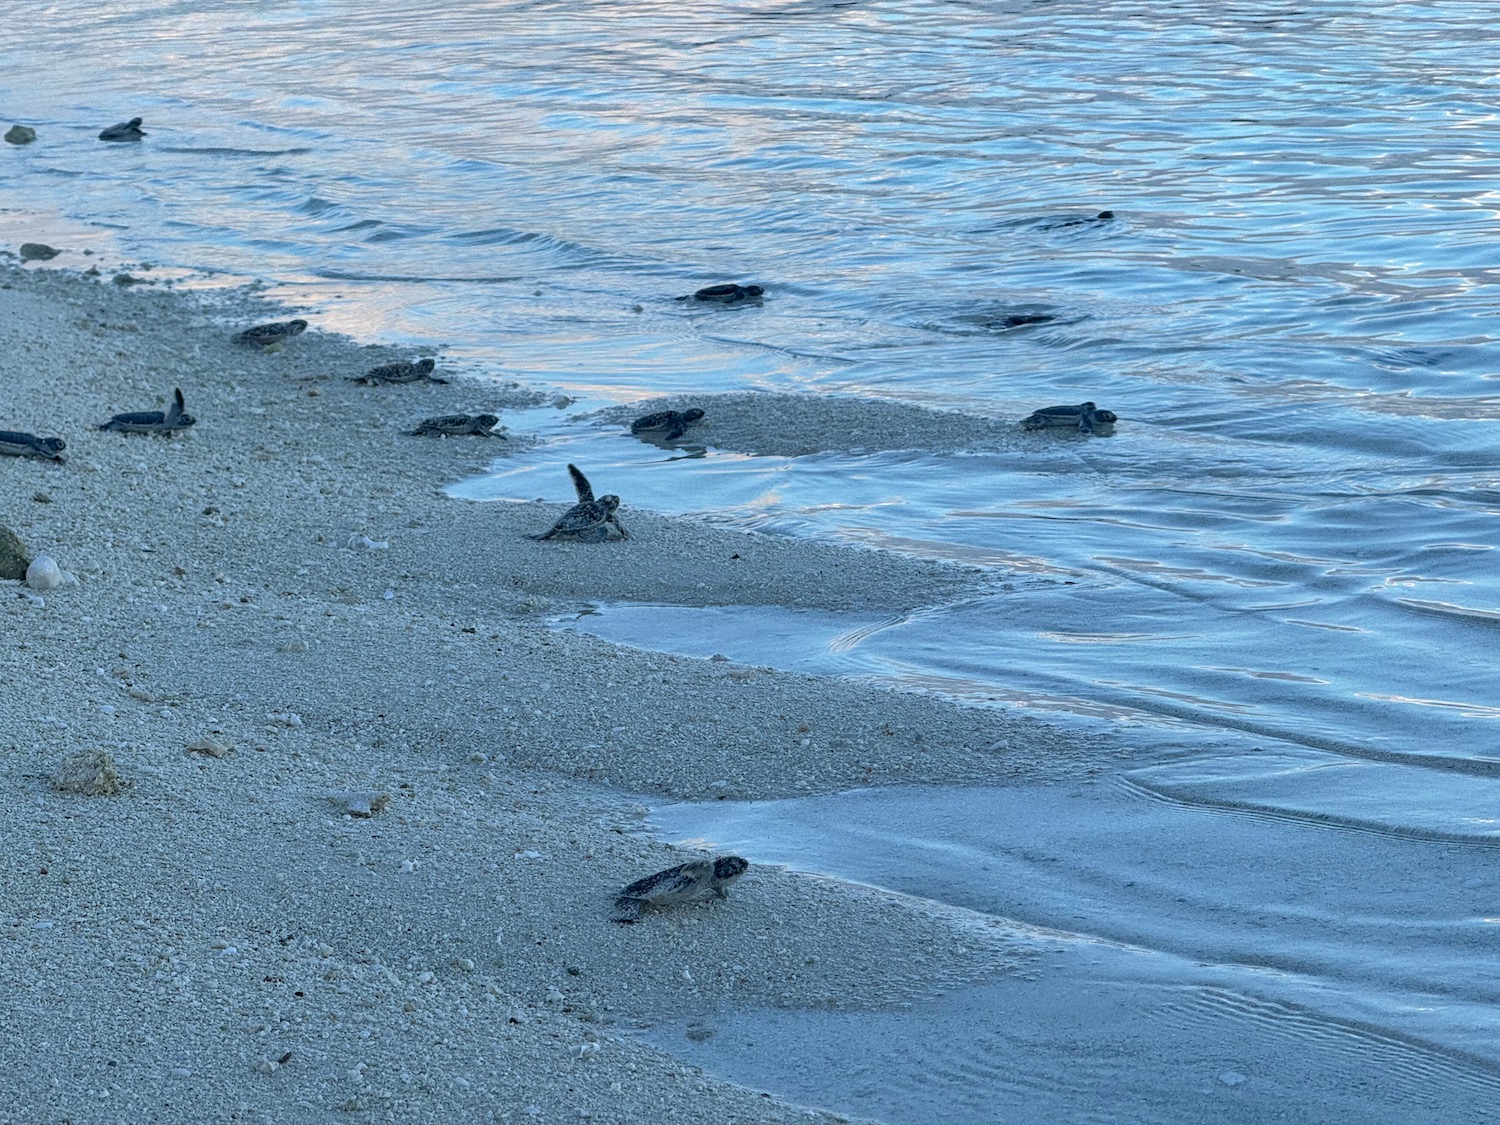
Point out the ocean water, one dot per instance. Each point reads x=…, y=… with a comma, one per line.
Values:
x=1278, y=570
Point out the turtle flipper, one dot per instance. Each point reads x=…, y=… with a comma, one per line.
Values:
x=581, y=483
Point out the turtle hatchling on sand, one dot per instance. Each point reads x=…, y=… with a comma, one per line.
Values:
x=457, y=425
x=153, y=421
x=1085, y=416
x=124, y=131
x=589, y=520
x=726, y=294
x=265, y=335
x=666, y=425
x=15, y=444
x=419, y=372
x=682, y=883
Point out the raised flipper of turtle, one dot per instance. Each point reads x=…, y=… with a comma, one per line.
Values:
x=124, y=131
x=589, y=520
x=153, y=421
x=268, y=335
x=419, y=372
x=13, y=443
x=1085, y=417
x=666, y=425
x=457, y=425
x=726, y=294
x=683, y=883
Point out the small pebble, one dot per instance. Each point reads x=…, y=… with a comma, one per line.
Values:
x=365, y=543
x=44, y=573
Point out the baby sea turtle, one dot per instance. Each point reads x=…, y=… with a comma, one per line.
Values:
x=265, y=335
x=589, y=520
x=15, y=444
x=124, y=131
x=456, y=425
x=1085, y=416
x=666, y=425
x=153, y=421
x=726, y=294
x=419, y=372
x=682, y=883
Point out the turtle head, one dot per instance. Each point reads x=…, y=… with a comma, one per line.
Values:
x=52, y=445
x=1106, y=417
x=486, y=421
x=609, y=503
x=135, y=122
x=296, y=327
x=692, y=415
x=425, y=366
x=728, y=868
x=754, y=290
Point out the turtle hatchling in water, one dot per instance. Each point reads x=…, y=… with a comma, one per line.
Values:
x=666, y=425
x=1085, y=417
x=682, y=883
x=419, y=372
x=153, y=421
x=15, y=444
x=124, y=131
x=457, y=425
x=589, y=520
x=727, y=294
x=265, y=335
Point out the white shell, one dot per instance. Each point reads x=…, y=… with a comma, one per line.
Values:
x=44, y=573
x=365, y=543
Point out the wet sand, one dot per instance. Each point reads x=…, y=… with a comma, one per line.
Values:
x=221, y=940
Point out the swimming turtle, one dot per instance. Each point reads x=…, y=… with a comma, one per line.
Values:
x=16, y=444
x=153, y=421
x=726, y=294
x=682, y=883
x=1085, y=417
x=456, y=425
x=265, y=335
x=1020, y=320
x=589, y=520
x=124, y=131
x=667, y=425
x=419, y=372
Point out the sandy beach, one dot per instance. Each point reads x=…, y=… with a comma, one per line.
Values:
x=221, y=940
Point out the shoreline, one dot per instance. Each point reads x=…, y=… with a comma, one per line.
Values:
x=449, y=957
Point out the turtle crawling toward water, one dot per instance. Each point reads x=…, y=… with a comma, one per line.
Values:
x=125, y=131
x=457, y=425
x=16, y=444
x=666, y=425
x=726, y=294
x=589, y=520
x=268, y=335
x=419, y=372
x=682, y=883
x=153, y=421
x=1084, y=417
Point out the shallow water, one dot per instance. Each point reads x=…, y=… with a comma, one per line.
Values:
x=1288, y=536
